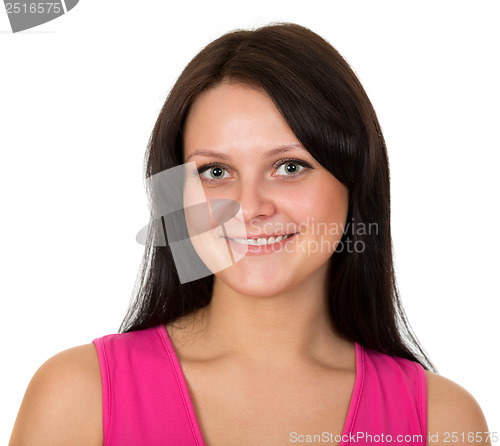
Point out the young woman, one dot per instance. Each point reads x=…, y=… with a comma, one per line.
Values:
x=300, y=338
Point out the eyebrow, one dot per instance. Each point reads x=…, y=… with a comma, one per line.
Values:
x=269, y=154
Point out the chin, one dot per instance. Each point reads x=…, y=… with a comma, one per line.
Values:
x=253, y=284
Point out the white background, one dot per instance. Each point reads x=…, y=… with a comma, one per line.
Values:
x=78, y=100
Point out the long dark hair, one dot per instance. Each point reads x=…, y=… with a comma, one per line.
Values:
x=328, y=110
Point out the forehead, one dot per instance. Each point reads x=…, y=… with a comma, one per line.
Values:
x=231, y=116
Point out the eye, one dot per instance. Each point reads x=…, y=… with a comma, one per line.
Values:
x=291, y=168
x=212, y=172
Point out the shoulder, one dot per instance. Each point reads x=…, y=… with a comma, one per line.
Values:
x=63, y=402
x=452, y=410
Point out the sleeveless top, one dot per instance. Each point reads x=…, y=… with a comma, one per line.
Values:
x=145, y=397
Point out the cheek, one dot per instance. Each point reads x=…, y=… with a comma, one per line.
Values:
x=325, y=201
x=333, y=204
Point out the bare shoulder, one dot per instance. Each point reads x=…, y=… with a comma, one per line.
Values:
x=63, y=402
x=454, y=416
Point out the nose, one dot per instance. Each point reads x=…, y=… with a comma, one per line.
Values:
x=256, y=200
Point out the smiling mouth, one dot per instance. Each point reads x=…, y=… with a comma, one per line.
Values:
x=260, y=241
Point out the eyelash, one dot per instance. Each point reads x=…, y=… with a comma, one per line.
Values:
x=276, y=165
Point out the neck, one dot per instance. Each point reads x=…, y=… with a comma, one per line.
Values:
x=280, y=329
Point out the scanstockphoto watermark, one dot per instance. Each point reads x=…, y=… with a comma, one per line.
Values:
x=314, y=227
x=329, y=236
x=312, y=247
x=28, y=14
x=355, y=437
x=365, y=438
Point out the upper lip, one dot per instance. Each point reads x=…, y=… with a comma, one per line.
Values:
x=257, y=236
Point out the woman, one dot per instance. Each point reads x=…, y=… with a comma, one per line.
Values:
x=294, y=333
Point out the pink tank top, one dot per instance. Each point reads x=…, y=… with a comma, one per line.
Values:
x=145, y=397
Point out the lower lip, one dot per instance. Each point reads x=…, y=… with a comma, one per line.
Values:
x=258, y=250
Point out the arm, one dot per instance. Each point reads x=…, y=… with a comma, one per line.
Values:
x=453, y=411
x=63, y=402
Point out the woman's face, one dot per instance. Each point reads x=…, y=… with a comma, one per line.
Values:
x=257, y=161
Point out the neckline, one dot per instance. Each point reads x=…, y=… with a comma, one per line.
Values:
x=188, y=403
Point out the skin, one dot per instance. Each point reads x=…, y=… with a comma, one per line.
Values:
x=265, y=335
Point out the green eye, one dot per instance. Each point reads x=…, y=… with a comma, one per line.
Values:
x=214, y=172
x=291, y=167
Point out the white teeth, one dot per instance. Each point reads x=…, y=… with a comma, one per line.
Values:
x=261, y=241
